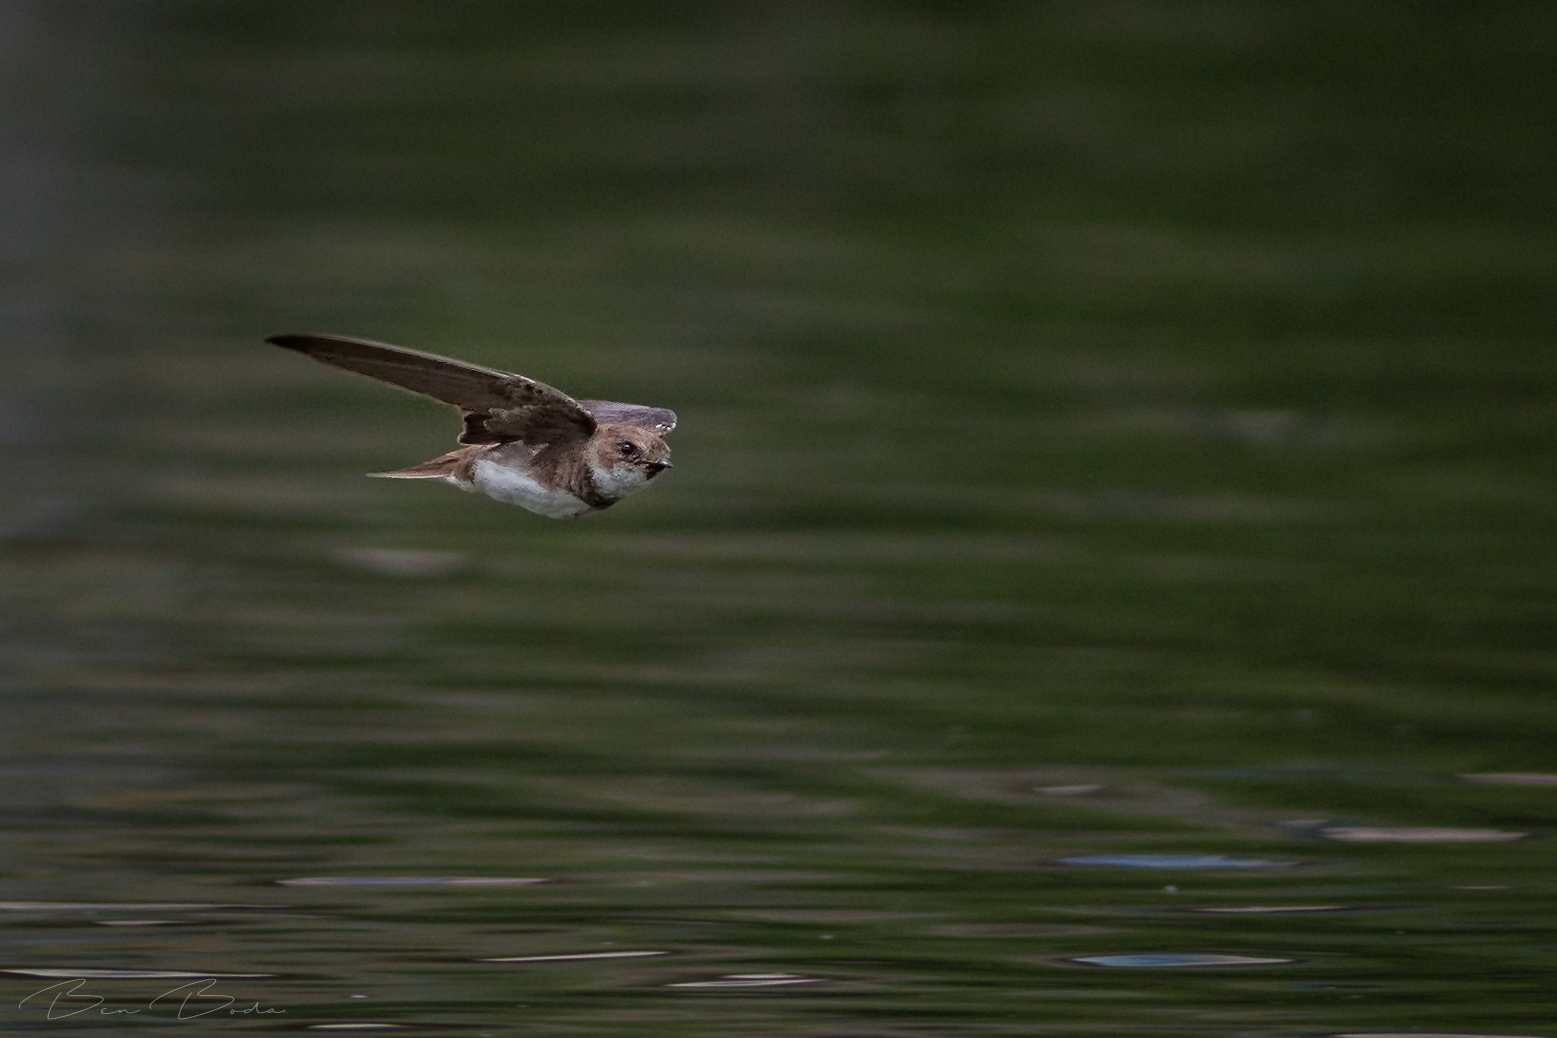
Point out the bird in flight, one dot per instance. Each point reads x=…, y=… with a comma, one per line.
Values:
x=526, y=443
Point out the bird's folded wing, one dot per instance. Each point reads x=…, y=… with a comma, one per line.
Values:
x=498, y=406
x=608, y=412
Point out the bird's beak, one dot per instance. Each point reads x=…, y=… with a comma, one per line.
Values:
x=656, y=467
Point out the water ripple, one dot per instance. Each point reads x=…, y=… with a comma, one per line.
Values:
x=1175, y=861
x=1170, y=961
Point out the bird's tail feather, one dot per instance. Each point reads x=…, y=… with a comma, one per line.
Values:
x=438, y=468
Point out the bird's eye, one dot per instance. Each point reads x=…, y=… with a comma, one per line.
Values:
x=626, y=449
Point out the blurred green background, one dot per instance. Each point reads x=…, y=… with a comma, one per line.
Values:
x=1151, y=399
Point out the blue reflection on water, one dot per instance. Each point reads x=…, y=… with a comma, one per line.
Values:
x=1174, y=861
x=1161, y=961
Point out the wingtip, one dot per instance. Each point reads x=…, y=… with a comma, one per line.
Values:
x=290, y=341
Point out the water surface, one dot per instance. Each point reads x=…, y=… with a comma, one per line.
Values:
x=1106, y=584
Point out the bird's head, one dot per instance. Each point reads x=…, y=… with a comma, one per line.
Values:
x=625, y=458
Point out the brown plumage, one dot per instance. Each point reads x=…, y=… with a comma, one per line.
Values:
x=451, y=465
x=526, y=442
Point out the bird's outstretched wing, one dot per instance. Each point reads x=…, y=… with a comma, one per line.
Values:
x=608, y=412
x=498, y=406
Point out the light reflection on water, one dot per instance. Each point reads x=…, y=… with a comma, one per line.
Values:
x=1111, y=523
x=1178, y=961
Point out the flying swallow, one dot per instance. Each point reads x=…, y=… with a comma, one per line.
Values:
x=526, y=443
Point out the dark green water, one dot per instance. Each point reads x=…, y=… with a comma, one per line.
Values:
x=1112, y=435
